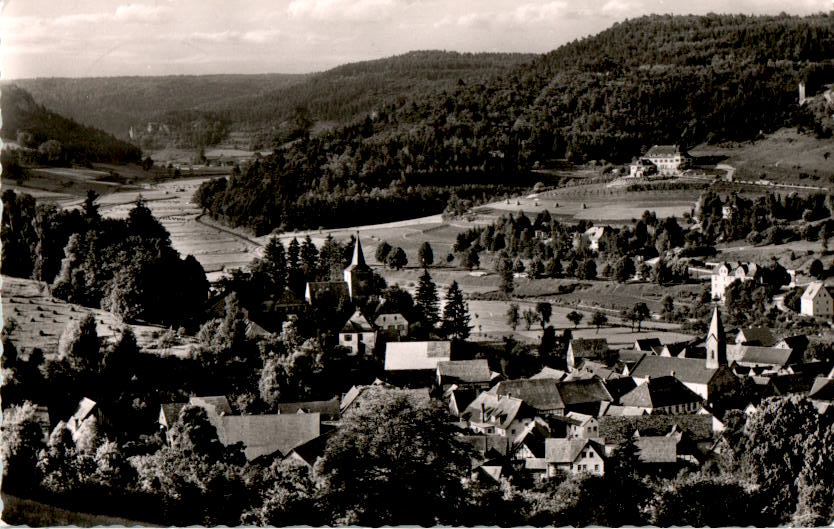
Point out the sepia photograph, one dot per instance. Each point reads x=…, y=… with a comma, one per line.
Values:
x=417, y=263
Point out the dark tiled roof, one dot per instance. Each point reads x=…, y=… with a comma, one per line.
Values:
x=791, y=384
x=464, y=371
x=218, y=405
x=751, y=354
x=542, y=394
x=496, y=409
x=170, y=412
x=312, y=449
x=618, y=429
x=663, y=150
x=357, y=323
x=658, y=393
x=647, y=344
x=691, y=370
x=484, y=444
x=618, y=387
x=588, y=347
x=338, y=289
x=584, y=391
x=549, y=373
x=760, y=336
x=463, y=397
x=329, y=409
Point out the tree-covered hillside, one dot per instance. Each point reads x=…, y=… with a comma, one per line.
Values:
x=657, y=79
x=58, y=140
x=114, y=104
x=272, y=107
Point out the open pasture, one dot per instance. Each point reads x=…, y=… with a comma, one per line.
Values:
x=41, y=319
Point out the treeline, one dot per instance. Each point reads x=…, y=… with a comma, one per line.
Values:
x=764, y=218
x=606, y=97
x=125, y=266
x=54, y=139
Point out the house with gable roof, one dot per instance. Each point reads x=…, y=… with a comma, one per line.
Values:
x=588, y=396
x=392, y=324
x=498, y=414
x=574, y=456
x=585, y=348
x=542, y=394
x=464, y=374
x=755, y=336
x=817, y=302
x=727, y=273
x=358, y=335
x=666, y=395
x=266, y=435
x=669, y=159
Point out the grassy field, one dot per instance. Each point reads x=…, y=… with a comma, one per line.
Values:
x=19, y=511
x=41, y=319
x=784, y=156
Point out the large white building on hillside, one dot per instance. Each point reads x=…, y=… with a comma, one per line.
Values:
x=816, y=301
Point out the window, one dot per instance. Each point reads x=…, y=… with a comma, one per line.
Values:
x=596, y=467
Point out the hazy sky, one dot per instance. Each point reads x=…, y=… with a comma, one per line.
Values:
x=78, y=38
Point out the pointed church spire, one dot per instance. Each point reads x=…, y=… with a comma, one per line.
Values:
x=716, y=342
x=358, y=260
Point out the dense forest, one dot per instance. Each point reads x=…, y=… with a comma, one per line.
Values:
x=101, y=101
x=168, y=110
x=125, y=266
x=657, y=79
x=55, y=139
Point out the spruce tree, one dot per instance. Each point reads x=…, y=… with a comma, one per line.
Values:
x=456, y=313
x=295, y=275
x=427, y=300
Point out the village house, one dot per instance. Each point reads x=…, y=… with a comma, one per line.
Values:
x=641, y=168
x=647, y=345
x=662, y=395
x=617, y=430
x=542, y=394
x=822, y=392
x=328, y=409
x=358, y=334
x=464, y=374
x=585, y=348
x=587, y=396
x=357, y=395
x=87, y=412
x=392, y=324
x=727, y=273
x=582, y=426
x=757, y=336
x=215, y=406
x=497, y=414
x=459, y=398
x=591, y=237
x=574, y=456
x=415, y=363
x=669, y=159
x=817, y=302
x=266, y=435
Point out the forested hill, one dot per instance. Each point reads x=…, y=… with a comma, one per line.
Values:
x=58, y=140
x=273, y=106
x=656, y=79
x=114, y=104
x=351, y=90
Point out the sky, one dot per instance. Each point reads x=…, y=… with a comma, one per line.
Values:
x=91, y=38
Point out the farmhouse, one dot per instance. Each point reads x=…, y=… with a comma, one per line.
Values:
x=758, y=336
x=357, y=334
x=669, y=159
x=662, y=395
x=392, y=324
x=591, y=237
x=816, y=301
x=264, y=435
x=464, y=374
x=542, y=394
x=497, y=414
x=574, y=456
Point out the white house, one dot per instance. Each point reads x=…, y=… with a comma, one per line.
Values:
x=727, y=273
x=358, y=334
x=669, y=159
x=817, y=301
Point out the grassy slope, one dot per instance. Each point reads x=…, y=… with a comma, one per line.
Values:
x=19, y=511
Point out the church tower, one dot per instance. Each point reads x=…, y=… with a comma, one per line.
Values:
x=358, y=274
x=716, y=342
